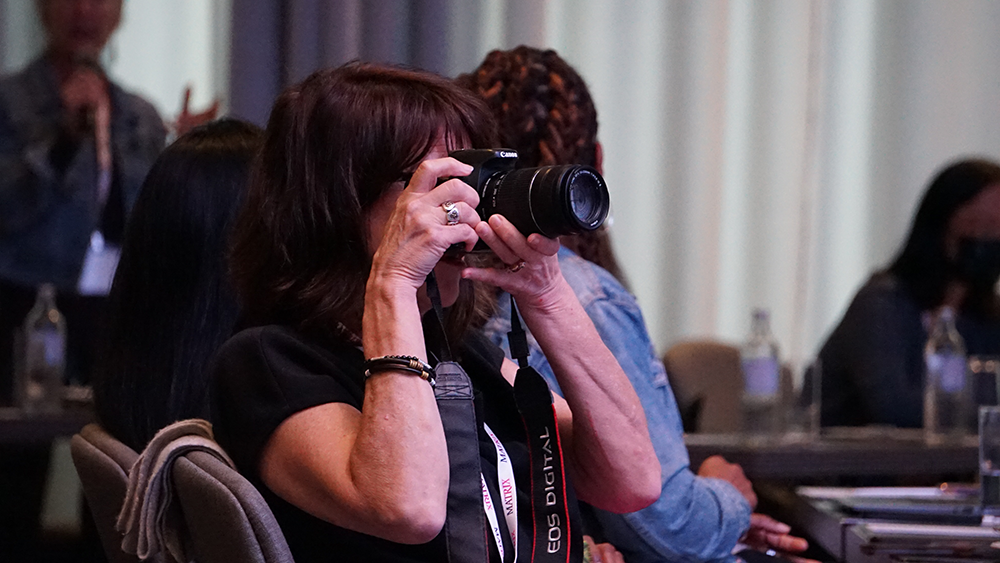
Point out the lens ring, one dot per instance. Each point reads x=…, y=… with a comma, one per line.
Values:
x=587, y=201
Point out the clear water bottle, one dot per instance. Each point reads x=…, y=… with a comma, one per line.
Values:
x=761, y=402
x=946, y=394
x=43, y=357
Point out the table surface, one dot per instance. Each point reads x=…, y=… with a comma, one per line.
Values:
x=839, y=452
x=18, y=428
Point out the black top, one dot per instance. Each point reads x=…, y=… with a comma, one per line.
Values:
x=266, y=374
x=873, y=361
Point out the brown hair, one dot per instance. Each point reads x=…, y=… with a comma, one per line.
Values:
x=544, y=111
x=333, y=146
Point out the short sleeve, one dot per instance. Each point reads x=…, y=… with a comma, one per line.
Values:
x=264, y=375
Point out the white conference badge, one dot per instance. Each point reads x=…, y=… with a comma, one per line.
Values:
x=98, y=267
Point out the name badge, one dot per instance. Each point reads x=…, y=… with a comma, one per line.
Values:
x=98, y=267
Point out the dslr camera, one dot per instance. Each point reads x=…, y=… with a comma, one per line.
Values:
x=550, y=200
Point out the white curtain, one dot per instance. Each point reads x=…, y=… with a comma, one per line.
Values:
x=771, y=153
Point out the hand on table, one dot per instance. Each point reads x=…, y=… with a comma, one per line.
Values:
x=718, y=468
x=767, y=534
x=602, y=552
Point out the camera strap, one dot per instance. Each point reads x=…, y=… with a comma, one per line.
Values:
x=472, y=514
x=465, y=524
x=555, y=536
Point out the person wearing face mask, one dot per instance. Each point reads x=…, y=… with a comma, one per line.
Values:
x=873, y=360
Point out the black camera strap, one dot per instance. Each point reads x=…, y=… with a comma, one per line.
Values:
x=465, y=524
x=556, y=536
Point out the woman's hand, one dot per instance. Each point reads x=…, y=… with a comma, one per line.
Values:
x=396, y=472
x=532, y=274
x=601, y=422
x=600, y=552
x=769, y=535
x=410, y=227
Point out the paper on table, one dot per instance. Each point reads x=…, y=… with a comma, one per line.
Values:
x=873, y=492
x=893, y=530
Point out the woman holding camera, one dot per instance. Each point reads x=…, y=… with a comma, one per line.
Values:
x=326, y=403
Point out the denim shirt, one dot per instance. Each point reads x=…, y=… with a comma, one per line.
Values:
x=695, y=518
x=46, y=215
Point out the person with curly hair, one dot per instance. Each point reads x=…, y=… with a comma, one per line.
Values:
x=545, y=113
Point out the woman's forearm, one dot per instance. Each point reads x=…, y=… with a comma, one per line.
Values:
x=399, y=458
x=614, y=464
x=382, y=471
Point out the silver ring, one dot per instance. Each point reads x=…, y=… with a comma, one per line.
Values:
x=513, y=268
x=451, y=213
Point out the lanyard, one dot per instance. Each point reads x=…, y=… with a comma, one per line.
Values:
x=508, y=494
x=556, y=533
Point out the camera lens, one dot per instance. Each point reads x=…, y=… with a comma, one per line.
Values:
x=584, y=199
x=551, y=200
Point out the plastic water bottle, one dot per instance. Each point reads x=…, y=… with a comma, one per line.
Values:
x=44, y=355
x=761, y=402
x=946, y=394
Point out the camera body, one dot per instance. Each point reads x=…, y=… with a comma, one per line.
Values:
x=550, y=200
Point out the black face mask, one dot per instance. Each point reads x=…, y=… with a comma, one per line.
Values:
x=978, y=262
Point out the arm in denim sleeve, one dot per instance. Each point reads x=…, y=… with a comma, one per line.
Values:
x=23, y=172
x=40, y=167
x=695, y=518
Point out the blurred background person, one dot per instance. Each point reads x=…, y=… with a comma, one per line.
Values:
x=873, y=361
x=545, y=112
x=74, y=149
x=172, y=304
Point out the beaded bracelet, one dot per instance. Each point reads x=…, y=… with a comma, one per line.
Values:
x=411, y=364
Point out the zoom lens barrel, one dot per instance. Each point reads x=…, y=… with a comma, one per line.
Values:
x=551, y=200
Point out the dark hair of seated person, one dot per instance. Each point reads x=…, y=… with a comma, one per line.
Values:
x=923, y=265
x=332, y=149
x=545, y=112
x=171, y=304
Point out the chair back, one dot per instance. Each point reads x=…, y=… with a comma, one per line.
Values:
x=227, y=519
x=103, y=463
x=707, y=380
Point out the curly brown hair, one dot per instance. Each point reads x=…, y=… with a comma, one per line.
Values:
x=544, y=111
